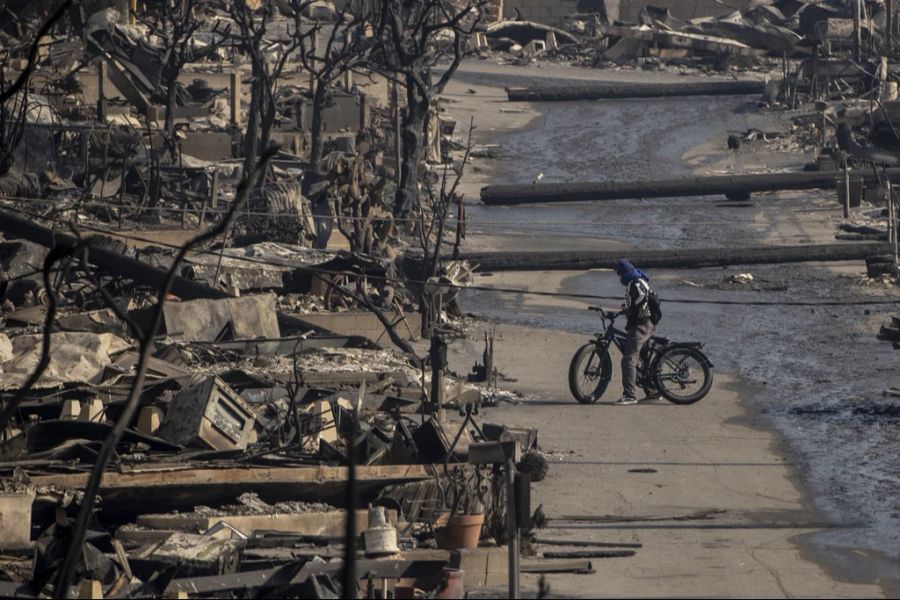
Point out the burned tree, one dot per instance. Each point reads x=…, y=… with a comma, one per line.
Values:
x=411, y=39
x=12, y=119
x=345, y=49
x=267, y=62
x=14, y=95
x=440, y=280
x=176, y=23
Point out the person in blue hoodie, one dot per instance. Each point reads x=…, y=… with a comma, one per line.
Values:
x=638, y=328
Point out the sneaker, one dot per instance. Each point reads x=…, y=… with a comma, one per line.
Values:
x=650, y=396
x=625, y=400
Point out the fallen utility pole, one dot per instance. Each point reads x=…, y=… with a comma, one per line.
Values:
x=612, y=90
x=713, y=185
x=673, y=259
x=108, y=260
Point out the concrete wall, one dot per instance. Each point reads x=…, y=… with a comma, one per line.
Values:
x=553, y=11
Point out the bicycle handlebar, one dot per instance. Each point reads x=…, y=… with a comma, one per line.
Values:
x=605, y=313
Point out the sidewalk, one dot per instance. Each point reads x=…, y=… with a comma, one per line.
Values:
x=703, y=457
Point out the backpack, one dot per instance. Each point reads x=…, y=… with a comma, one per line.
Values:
x=654, y=305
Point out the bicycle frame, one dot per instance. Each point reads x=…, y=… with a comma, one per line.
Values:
x=610, y=334
x=665, y=368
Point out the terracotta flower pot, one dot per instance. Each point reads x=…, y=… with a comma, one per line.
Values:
x=458, y=532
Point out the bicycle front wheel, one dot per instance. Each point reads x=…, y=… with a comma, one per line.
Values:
x=589, y=373
x=683, y=375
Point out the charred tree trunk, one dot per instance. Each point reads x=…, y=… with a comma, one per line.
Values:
x=169, y=125
x=267, y=119
x=251, y=138
x=170, y=108
x=320, y=97
x=413, y=135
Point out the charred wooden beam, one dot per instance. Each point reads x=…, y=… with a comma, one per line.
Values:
x=106, y=259
x=162, y=487
x=713, y=185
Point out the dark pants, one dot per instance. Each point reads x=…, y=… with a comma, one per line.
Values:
x=631, y=352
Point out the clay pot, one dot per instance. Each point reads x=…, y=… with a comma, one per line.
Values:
x=458, y=532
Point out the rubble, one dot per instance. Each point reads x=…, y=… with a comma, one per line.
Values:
x=246, y=374
x=231, y=261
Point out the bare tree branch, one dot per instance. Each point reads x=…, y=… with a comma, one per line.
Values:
x=22, y=79
x=67, y=571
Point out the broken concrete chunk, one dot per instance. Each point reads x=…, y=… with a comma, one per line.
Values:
x=15, y=519
x=74, y=357
x=231, y=318
x=208, y=415
x=321, y=11
x=199, y=554
x=6, y=349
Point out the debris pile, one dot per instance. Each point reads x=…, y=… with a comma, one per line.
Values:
x=217, y=268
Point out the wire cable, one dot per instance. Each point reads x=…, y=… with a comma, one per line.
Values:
x=321, y=271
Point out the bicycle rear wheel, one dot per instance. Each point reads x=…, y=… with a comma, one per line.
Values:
x=589, y=373
x=682, y=375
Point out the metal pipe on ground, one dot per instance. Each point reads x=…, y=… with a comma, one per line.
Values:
x=673, y=259
x=712, y=185
x=613, y=90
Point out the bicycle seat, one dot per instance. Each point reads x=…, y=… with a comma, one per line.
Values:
x=659, y=339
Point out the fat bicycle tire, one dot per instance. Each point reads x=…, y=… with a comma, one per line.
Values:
x=700, y=367
x=590, y=358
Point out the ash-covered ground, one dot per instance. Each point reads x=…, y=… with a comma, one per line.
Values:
x=814, y=373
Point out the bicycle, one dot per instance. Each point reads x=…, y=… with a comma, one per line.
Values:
x=678, y=371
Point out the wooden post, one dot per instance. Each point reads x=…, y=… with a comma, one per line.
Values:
x=460, y=225
x=213, y=197
x=512, y=529
x=102, y=78
x=90, y=588
x=846, y=190
x=438, y=354
x=893, y=234
x=857, y=31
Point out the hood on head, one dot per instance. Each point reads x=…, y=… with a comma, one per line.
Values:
x=623, y=266
x=627, y=272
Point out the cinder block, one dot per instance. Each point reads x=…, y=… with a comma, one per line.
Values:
x=150, y=419
x=92, y=411
x=71, y=410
